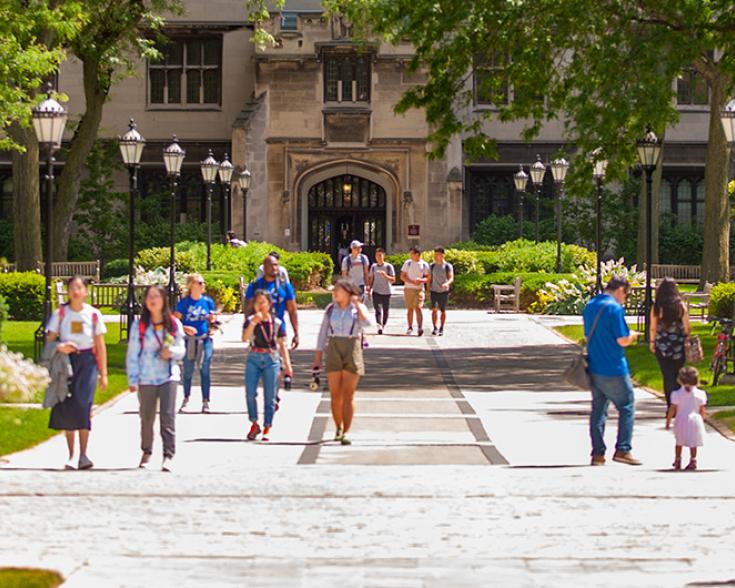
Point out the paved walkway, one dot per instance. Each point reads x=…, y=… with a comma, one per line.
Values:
x=492, y=484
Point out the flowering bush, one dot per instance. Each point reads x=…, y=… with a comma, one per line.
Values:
x=20, y=378
x=570, y=296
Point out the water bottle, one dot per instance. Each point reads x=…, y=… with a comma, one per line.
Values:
x=314, y=384
x=287, y=383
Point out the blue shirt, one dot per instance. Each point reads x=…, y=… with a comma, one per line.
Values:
x=606, y=356
x=195, y=313
x=144, y=364
x=340, y=322
x=281, y=293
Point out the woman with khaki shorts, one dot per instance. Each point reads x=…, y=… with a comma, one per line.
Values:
x=340, y=340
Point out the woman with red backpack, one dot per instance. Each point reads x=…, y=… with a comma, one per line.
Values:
x=156, y=345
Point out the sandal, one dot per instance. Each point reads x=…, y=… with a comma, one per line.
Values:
x=692, y=465
x=677, y=464
x=345, y=441
x=338, y=435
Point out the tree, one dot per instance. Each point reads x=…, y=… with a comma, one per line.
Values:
x=604, y=67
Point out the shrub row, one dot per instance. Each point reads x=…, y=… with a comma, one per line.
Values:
x=23, y=293
x=476, y=290
x=722, y=301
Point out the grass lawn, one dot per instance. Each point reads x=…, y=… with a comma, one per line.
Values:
x=645, y=369
x=29, y=578
x=22, y=428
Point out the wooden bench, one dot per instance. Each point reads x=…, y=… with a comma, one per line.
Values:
x=507, y=296
x=698, y=301
x=63, y=270
x=684, y=274
x=103, y=295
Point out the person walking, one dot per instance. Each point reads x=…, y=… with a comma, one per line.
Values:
x=155, y=347
x=233, y=241
x=669, y=329
x=282, y=271
x=441, y=278
x=380, y=278
x=687, y=410
x=414, y=275
x=197, y=312
x=79, y=331
x=607, y=336
x=283, y=295
x=266, y=335
x=340, y=344
x=355, y=266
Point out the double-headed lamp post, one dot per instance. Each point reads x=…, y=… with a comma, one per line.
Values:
x=559, y=169
x=225, y=177
x=538, y=170
x=521, y=181
x=598, y=172
x=173, y=157
x=209, y=167
x=131, y=150
x=49, y=121
x=649, y=152
x=244, y=179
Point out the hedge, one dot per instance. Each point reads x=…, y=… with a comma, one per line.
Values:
x=476, y=290
x=527, y=256
x=722, y=301
x=114, y=269
x=3, y=314
x=23, y=293
x=463, y=261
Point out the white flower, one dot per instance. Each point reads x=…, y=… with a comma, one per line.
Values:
x=20, y=378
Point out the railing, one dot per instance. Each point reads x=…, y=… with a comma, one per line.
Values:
x=66, y=269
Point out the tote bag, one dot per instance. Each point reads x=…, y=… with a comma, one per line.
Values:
x=577, y=373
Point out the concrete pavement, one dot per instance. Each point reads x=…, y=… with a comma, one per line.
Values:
x=451, y=412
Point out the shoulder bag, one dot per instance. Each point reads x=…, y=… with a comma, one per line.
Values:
x=577, y=373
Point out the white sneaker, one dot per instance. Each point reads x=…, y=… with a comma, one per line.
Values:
x=184, y=404
x=409, y=331
x=71, y=464
x=85, y=463
x=167, y=465
x=205, y=407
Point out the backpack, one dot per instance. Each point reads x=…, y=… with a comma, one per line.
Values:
x=62, y=313
x=362, y=257
x=142, y=328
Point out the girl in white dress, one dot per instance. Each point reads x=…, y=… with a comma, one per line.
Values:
x=687, y=410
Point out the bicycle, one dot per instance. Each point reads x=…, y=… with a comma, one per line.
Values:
x=723, y=349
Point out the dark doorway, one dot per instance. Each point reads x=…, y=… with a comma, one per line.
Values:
x=344, y=208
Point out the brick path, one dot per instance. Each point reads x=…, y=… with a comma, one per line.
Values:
x=444, y=410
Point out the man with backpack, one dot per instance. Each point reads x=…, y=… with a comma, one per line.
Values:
x=441, y=277
x=414, y=275
x=355, y=267
x=282, y=295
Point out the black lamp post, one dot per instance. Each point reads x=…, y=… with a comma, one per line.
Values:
x=131, y=149
x=538, y=170
x=598, y=172
x=173, y=157
x=225, y=177
x=244, y=179
x=559, y=169
x=209, y=167
x=649, y=152
x=521, y=180
x=49, y=121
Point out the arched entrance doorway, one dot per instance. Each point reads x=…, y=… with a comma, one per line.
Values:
x=343, y=208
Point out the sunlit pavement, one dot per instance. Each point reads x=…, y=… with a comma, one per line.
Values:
x=469, y=469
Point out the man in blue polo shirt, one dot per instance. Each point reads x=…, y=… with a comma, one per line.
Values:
x=607, y=336
x=282, y=294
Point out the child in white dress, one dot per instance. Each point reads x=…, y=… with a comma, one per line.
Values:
x=687, y=410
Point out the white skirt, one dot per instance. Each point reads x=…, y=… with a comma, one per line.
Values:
x=689, y=430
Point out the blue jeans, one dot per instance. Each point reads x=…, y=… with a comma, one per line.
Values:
x=619, y=391
x=190, y=364
x=268, y=367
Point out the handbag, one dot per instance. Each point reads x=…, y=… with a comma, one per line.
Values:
x=693, y=351
x=577, y=373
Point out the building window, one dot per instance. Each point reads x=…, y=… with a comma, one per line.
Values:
x=490, y=80
x=346, y=77
x=189, y=75
x=682, y=197
x=692, y=89
x=289, y=21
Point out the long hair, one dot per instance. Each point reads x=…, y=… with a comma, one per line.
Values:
x=348, y=286
x=668, y=305
x=145, y=315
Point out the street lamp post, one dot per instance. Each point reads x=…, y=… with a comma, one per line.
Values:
x=225, y=177
x=209, y=167
x=538, y=170
x=559, y=169
x=49, y=121
x=173, y=157
x=598, y=172
x=131, y=150
x=649, y=152
x=244, y=179
x=521, y=180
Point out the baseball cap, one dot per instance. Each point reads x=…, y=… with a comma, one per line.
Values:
x=356, y=243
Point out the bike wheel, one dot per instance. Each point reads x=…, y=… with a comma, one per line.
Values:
x=719, y=366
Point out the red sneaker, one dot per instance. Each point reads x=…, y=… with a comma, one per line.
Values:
x=254, y=431
x=266, y=434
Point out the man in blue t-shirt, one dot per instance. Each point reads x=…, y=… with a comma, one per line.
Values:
x=607, y=336
x=282, y=294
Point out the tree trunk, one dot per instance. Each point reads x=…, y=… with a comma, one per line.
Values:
x=95, y=93
x=716, y=254
x=26, y=200
x=655, y=217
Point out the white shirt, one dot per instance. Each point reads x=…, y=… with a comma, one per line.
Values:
x=415, y=270
x=282, y=273
x=77, y=326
